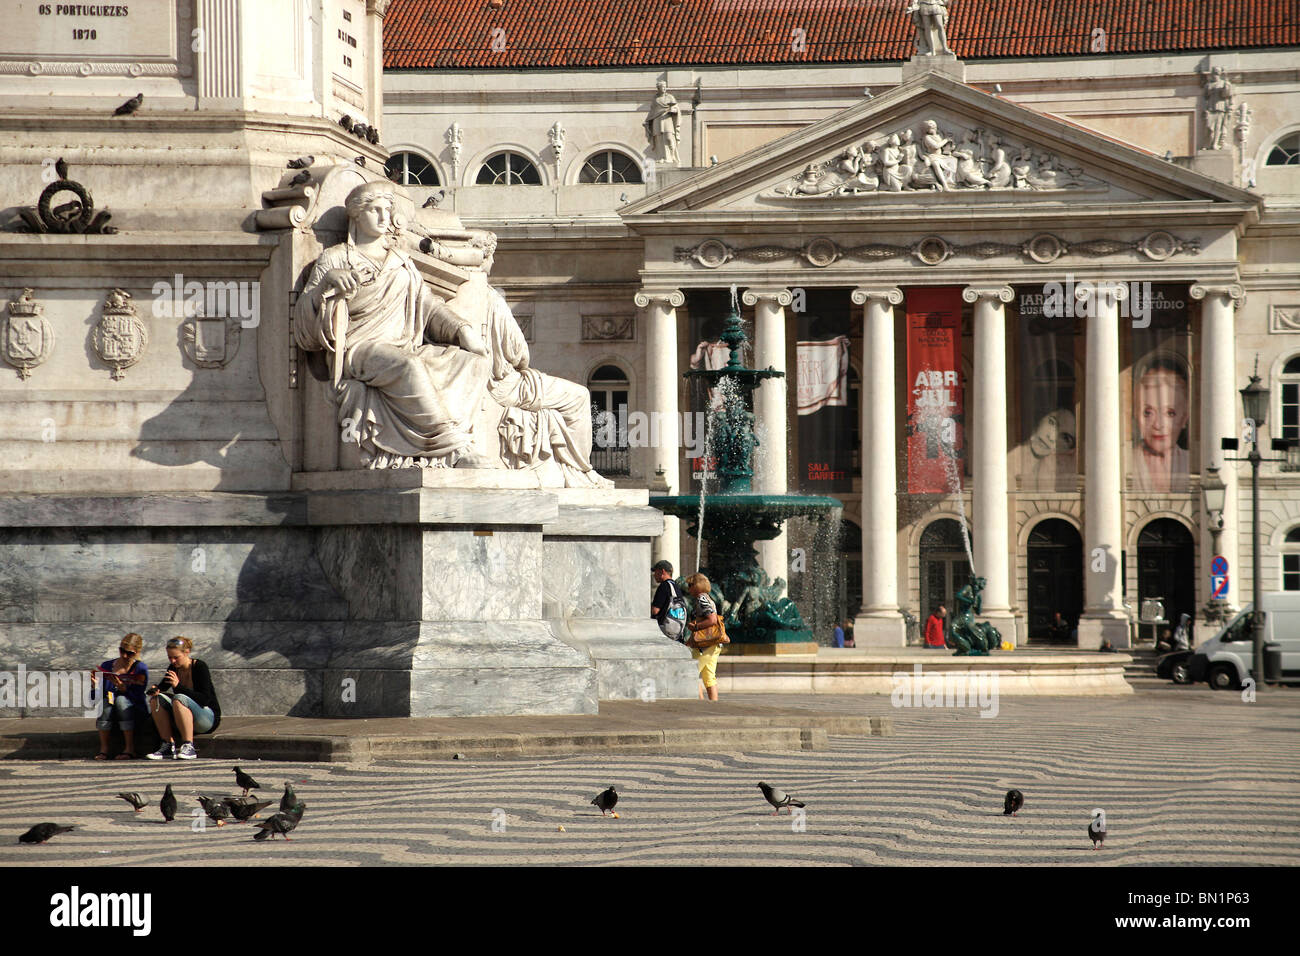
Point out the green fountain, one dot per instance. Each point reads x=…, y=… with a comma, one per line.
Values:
x=734, y=517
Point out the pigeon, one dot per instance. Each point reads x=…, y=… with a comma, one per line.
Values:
x=1097, y=829
x=302, y=162
x=244, y=780
x=61, y=168
x=42, y=832
x=359, y=130
x=1014, y=801
x=432, y=201
x=244, y=809
x=301, y=178
x=395, y=175
x=130, y=106
x=372, y=135
x=290, y=799
x=168, y=804
x=359, y=160
x=605, y=800
x=282, y=823
x=778, y=799
x=217, y=812
x=134, y=799
x=346, y=122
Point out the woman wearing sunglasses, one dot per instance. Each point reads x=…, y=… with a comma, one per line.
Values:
x=124, y=704
x=184, y=702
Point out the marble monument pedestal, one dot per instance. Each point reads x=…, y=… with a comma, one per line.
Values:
x=356, y=593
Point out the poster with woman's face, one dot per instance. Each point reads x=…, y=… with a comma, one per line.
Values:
x=1049, y=434
x=1159, y=460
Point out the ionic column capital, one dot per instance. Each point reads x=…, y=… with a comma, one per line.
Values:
x=1096, y=291
x=891, y=294
x=752, y=296
x=672, y=297
x=973, y=293
x=1232, y=290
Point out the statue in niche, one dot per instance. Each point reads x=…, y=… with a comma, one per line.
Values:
x=663, y=124
x=1218, y=105
x=930, y=17
x=407, y=371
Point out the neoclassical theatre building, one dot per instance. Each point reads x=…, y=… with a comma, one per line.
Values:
x=1017, y=259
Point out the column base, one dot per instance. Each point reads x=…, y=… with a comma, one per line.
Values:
x=880, y=630
x=1095, y=629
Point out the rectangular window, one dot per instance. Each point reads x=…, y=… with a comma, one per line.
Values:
x=1291, y=572
x=1291, y=410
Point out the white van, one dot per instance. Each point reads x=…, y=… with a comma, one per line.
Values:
x=1225, y=660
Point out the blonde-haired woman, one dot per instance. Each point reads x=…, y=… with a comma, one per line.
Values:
x=184, y=702
x=705, y=616
x=124, y=704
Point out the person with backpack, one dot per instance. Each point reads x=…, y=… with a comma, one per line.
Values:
x=668, y=607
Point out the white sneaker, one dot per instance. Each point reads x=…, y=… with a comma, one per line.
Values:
x=187, y=752
x=165, y=752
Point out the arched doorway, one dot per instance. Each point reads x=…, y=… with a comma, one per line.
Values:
x=1055, y=560
x=945, y=568
x=1167, y=570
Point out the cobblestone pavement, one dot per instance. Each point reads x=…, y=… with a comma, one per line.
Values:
x=1186, y=776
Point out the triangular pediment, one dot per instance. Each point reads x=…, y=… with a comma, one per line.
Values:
x=935, y=141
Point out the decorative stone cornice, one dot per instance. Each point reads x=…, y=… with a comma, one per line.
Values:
x=673, y=297
x=891, y=294
x=1233, y=290
x=752, y=296
x=973, y=293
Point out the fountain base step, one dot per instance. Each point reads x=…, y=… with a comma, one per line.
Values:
x=787, y=647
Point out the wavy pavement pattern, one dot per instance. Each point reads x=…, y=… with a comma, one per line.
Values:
x=1211, y=784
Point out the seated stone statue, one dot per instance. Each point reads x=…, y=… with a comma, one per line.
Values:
x=969, y=637
x=407, y=371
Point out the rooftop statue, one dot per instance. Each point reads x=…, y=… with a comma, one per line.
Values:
x=930, y=18
x=663, y=125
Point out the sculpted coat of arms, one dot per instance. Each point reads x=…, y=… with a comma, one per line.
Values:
x=26, y=338
x=120, y=337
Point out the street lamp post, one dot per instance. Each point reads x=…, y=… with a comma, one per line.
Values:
x=1216, y=494
x=1254, y=398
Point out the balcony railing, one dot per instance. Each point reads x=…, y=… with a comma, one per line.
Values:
x=611, y=461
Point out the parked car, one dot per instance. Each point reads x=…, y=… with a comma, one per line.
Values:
x=1174, y=666
x=1225, y=660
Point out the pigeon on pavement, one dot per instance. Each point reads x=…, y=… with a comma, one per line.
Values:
x=217, y=812
x=168, y=804
x=42, y=832
x=1097, y=829
x=605, y=800
x=244, y=780
x=244, y=809
x=778, y=798
x=290, y=799
x=130, y=106
x=134, y=799
x=1014, y=801
x=282, y=823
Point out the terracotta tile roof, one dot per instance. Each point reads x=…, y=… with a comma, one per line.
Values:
x=461, y=34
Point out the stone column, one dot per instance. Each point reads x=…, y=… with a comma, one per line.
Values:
x=992, y=545
x=1220, y=412
x=662, y=377
x=879, y=623
x=1104, y=618
x=770, y=413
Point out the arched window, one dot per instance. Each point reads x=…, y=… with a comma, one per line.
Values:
x=1291, y=560
x=1286, y=152
x=609, y=388
x=508, y=169
x=411, y=169
x=1289, y=399
x=610, y=167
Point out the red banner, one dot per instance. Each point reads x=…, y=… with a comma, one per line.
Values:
x=936, y=438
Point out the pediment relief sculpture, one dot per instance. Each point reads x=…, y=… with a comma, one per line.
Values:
x=926, y=158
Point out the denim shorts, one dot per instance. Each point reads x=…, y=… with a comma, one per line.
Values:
x=122, y=712
x=204, y=718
